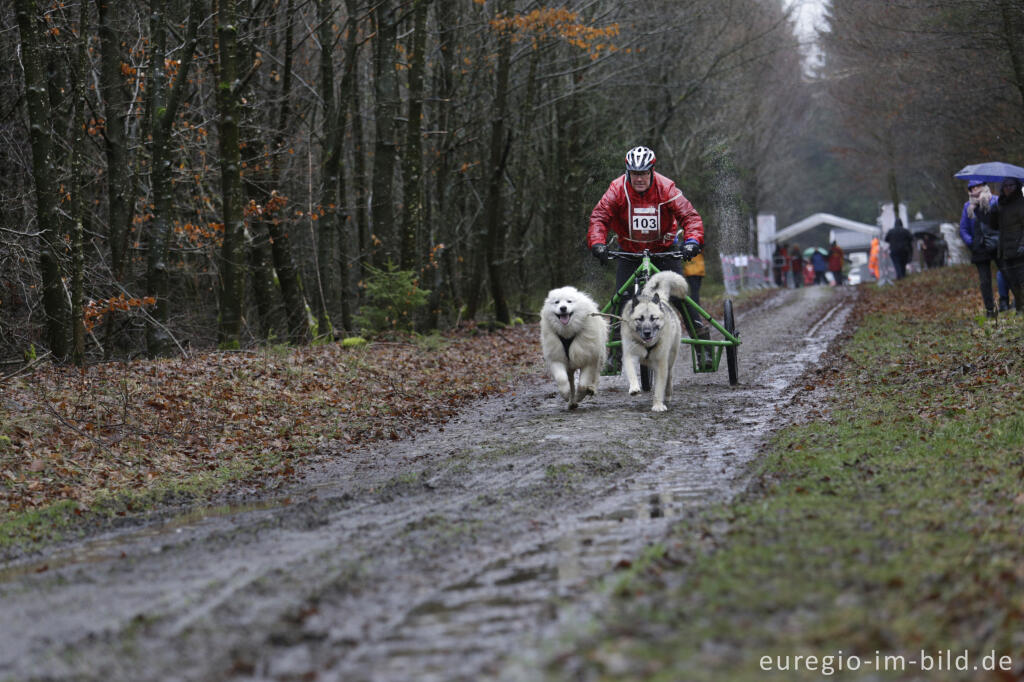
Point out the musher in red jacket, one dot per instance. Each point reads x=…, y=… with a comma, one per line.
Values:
x=647, y=211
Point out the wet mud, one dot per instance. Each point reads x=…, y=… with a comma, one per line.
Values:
x=455, y=555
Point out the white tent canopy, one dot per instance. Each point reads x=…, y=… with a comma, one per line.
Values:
x=850, y=241
x=813, y=221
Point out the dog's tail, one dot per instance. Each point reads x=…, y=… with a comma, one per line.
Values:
x=667, y=283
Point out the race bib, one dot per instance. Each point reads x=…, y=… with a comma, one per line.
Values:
x=644, y=224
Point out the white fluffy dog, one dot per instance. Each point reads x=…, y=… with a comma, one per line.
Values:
x=573, y=338
x=651, y=333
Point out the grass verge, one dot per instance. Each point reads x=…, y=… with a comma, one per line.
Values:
x=887, y=532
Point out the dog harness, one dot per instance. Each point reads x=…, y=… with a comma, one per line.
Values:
x=566, y=343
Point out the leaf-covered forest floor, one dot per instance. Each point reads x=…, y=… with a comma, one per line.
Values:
x=120, y=438
x=883, y=530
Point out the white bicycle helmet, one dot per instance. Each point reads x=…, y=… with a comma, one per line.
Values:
x=639, y=159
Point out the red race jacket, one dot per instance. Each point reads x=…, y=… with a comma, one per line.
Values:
x=644, y=222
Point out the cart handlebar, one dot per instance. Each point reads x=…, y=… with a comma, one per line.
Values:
x=630, y=255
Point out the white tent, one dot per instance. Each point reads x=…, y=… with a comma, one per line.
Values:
x=851, y=235
x=849, y=240
x=810, y=222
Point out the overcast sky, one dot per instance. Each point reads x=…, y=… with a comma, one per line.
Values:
x=808, y=15
x=808, y=19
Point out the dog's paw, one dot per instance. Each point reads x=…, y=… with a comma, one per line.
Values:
x=583, y=392
x=658, y=407
x=573, y=404
x=634, y=390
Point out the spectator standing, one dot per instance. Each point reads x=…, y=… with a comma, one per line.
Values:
x=1009, y=220
x=819, y=264
x=873, y=258
x=924, y=250
x=901, y=246
x=981, y=238
x=941, y=252
x=778, y=262
x=694, y=271
x=933, y=250
x=796, y=264
x=835, y=263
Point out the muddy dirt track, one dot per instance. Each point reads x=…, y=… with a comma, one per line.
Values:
x=458, y=555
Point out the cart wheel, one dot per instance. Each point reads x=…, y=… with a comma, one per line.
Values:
x=645, y=378
x=729, y=322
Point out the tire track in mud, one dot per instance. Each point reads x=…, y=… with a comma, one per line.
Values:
x=432, y=558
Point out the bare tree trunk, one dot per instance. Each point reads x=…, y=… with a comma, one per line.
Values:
x=358, y=152
x=386, y=101
x=524, y=208
x=892, y=180
x=120, y=178
x=77, y=210
x=330, y=167
x=295, y=305
x=232, y=260
x=262, y=276
x=44, y=175
x=347, y=104
x=445, y=89
x=412, y=219
x=120, y=181
x=162, y=110
x=1012, y=30
x=501, y=140
x=256, y=178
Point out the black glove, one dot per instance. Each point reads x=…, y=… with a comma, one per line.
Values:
x=600, y=252
x=690, y=250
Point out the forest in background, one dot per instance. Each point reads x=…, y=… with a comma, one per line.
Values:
x=184, y=174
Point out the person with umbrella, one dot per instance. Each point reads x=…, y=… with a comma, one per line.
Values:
x=1007, y=256
x=993, y=171
x=981, y=238
x=1008, y=219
